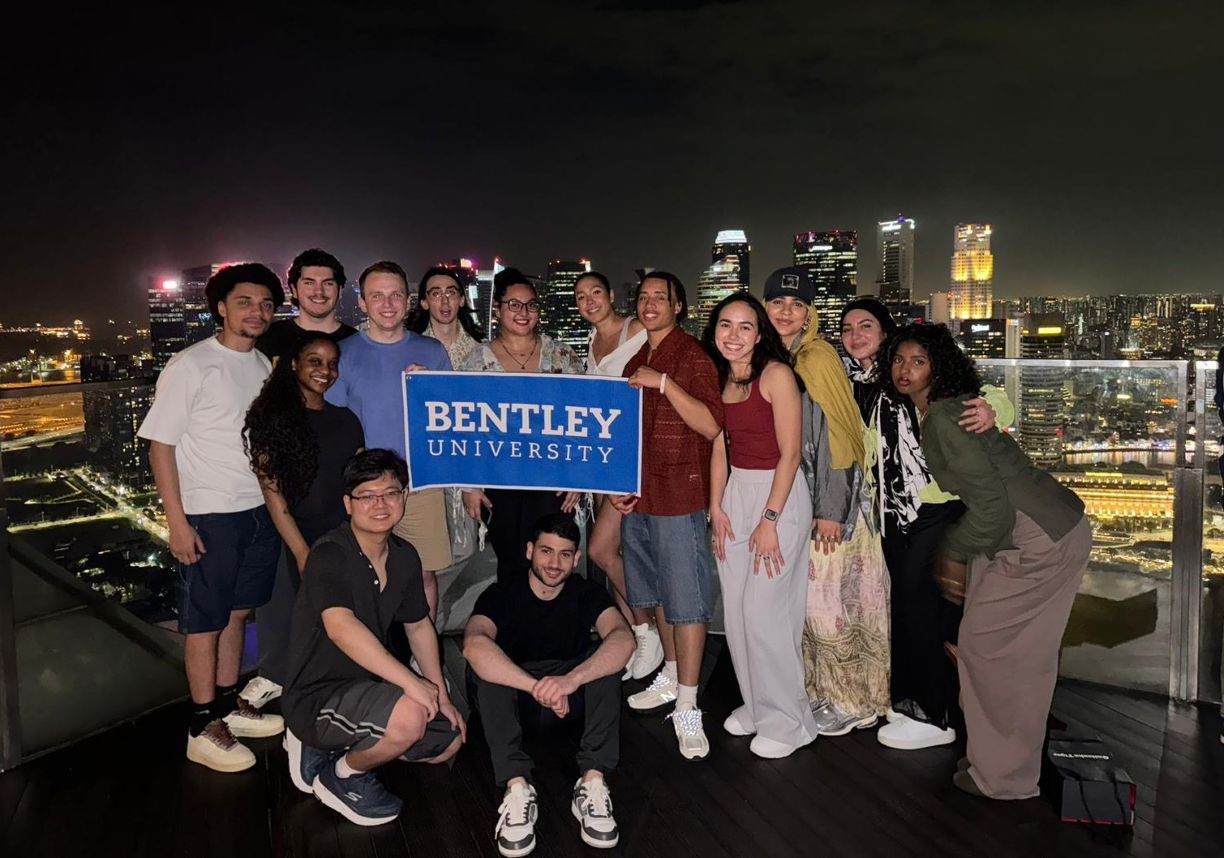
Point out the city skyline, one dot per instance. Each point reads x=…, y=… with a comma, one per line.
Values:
x=149, y=143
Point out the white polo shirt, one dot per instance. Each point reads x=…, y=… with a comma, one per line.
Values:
x=201, y=403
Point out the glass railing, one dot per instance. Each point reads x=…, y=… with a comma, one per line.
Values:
x=86, y=580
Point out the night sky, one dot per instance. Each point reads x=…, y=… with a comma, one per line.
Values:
x=1088, y=133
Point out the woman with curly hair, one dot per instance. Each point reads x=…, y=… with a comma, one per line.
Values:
x=298, y=445
x=761, y=517
x=1025, y=541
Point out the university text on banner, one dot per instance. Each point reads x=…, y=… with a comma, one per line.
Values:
x=523, y=431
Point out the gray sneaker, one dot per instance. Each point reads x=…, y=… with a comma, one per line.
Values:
x=831, y=721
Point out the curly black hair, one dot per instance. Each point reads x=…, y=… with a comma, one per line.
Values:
x=953, y=373
x=277, y=436
x=770, y=348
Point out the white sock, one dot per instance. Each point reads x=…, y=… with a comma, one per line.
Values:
x=669, y=669
x=343, y=769
x=686, y=697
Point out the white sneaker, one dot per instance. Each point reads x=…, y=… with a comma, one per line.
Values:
x=248, y=722
x=260, y=691
x=592, y=806
x=516, y=821
x=771, y=749
x=649, y=654
x=690, y=734
x=735, y=724
x=659, y=693
x=217, y=749
x=908, y=734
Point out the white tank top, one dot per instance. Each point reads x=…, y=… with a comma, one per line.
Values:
x=614, y=361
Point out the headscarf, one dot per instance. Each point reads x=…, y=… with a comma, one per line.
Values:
x=824, y=376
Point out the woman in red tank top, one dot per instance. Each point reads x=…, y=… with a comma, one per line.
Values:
x=762, y=517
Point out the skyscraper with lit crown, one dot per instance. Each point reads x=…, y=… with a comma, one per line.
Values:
x=895, y=240
x=167, y=328
x=969, y=295
x=728, y=273
x=832, y=258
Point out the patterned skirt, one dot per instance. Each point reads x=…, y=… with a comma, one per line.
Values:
x=845, y=638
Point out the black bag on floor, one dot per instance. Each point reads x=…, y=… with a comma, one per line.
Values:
x=1085, y=782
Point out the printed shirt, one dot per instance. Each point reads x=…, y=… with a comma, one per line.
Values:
x=675, y=459
x=459, y=350
x=555, y=357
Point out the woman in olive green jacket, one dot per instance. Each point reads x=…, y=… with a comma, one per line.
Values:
x=1025, y=540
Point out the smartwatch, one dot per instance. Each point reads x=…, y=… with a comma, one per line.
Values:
x=771, y=515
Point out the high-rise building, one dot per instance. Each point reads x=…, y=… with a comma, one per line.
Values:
x=484, y=295
x=832, y=258
x=984, y=338
x=348, y=309
x=937, y=309
x=733, y=242
x=112, y=417
x=196, y=315
x=1042, y=405
x=559, y=314
x=895, y=239
x=167, y=327
x=715, y=283
x=969, y=296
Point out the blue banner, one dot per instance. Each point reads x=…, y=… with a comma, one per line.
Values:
x=523, y=431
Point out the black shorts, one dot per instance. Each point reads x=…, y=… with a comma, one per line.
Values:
x=355, y=716
x=235, y=572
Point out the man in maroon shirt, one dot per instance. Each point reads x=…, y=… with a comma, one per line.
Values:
x=663, y=534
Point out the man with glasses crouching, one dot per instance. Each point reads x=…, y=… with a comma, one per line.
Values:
x=350, y=705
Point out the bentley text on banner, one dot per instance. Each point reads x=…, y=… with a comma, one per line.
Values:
x=523, y=431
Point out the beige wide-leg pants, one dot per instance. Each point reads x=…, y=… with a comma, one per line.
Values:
x=1016, y=609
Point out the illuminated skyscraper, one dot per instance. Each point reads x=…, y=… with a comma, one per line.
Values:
x=1042, y=404
x=895, y=239
x=484, y=295
x=832, y=257
x=715, y=283
x=112, y=416
x=559, y=314
x=167, y=328
x=969, y=296
x=733, y=242
x=196, y=315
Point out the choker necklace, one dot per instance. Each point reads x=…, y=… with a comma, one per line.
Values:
x=522, y=363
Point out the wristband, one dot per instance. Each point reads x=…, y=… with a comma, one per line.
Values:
x=663, y=384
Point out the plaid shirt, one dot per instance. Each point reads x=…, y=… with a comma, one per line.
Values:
x=675, y=459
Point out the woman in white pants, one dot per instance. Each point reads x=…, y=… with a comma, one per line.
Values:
x=762, y=519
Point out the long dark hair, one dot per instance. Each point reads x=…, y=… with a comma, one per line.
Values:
x=770, y=348
x=277, y=437
x=953, y=373
x=418, y=319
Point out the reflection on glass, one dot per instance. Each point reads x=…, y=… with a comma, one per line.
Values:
x=1110, y=435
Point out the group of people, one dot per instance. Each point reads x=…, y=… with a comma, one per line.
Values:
x=882, y=549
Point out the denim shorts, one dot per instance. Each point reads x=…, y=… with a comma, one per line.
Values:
x=668, y=563
x=235, y=572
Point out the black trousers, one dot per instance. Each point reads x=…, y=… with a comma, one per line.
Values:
x=504, y=711
x=510, y=522
x=922, y=619
x=273, y=620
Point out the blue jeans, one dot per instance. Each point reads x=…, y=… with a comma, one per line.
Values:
x=668, y=563
x=235, y=572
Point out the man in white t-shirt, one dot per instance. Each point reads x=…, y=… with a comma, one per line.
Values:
x=220, y=530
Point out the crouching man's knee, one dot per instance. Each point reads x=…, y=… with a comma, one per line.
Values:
x=407, y=724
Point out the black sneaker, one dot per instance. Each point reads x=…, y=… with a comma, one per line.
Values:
x=361, y=798
x=305, y=762
x=515, y=830
x=592, y=808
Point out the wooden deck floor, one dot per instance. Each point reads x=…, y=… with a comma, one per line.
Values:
x=130, y=793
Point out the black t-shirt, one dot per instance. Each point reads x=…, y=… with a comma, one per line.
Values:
x=532, y=629
x=282, y=336
x=338, y=575
x=339, y=436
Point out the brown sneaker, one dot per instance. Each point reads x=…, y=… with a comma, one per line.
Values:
x=248, y=722
x=217, y=749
